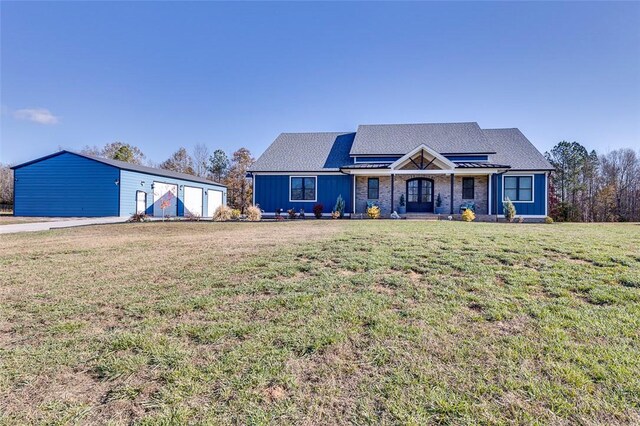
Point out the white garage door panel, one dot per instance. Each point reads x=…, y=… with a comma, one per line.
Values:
x=192, y=201
x=215, y=201
x=165, y=192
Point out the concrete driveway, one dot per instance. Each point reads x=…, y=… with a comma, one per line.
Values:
x=63, y=223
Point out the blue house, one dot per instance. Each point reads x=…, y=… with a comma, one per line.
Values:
x=69, y=184
x=432, y=167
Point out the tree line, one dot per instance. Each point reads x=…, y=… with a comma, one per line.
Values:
x=584, y=186
x=590, y=187
x=216, y=166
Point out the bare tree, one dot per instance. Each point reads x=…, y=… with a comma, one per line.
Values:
x=239, y=191
x=180, y=161
x=200, y=156
x=6, y=184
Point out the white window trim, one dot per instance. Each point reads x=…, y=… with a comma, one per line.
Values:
x=533, y=187
x=315, y=195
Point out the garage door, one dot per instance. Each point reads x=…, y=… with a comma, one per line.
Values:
x=215, y=201
x=165, y=194
x=192, y=201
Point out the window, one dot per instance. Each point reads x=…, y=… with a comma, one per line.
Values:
x=412, y=191
x=518, y=188
x=303, y=188
x=467, y=188
x=373, y=188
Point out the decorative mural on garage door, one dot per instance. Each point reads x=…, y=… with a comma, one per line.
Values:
x=165, y=194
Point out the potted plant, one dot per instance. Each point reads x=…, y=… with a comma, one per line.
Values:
x=402, y=205
x=439, y=208
x=317, y=210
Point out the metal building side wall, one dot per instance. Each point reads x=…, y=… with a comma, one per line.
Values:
x=272, y=193
x=66, y=185
x=130, y=182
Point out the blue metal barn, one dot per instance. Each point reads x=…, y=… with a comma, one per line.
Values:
x=69, y=184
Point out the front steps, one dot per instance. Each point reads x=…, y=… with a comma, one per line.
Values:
x=424, y=216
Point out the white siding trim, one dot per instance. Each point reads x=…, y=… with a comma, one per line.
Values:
x=546, y=194
x=353, y=205
x=489, y=196
x=298, y=174
x=389, y=172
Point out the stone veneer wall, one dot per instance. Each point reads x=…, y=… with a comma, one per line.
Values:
x=441, y=184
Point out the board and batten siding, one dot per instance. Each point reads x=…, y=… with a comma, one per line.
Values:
x=67, y=185
x=272, y=193
x=537, y=208
x=131, y=182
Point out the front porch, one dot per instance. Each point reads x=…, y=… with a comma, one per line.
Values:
x=428, y=183
x=420, y=192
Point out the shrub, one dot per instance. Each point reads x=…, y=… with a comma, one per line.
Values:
x=509, y=210
x=254, y=214
x=548, y=219
x=235, y=214
x=373, y=212
x=317, y=210
x=339, y=208
x=138, y=217
x=301, y=214
x=193, y=217
x=222, y=214
x=335, y=215
x=402, y=201
x=468, y=215
x=292, y=213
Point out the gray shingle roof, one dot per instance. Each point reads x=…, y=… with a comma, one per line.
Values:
x=513, y=148
x=128, y=166
x=306, y=152
x=445, y=138
x=330, y=151
x=150, y=170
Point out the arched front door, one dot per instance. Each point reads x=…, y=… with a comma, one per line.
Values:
x=420, y=195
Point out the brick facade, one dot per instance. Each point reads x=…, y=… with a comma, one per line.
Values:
x=441, y=185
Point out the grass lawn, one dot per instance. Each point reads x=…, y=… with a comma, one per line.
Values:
x=321, y=322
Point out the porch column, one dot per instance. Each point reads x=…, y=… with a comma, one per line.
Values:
x=451, y=198
x=393, y=178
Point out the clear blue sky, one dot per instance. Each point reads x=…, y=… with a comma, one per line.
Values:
x=162, y=75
